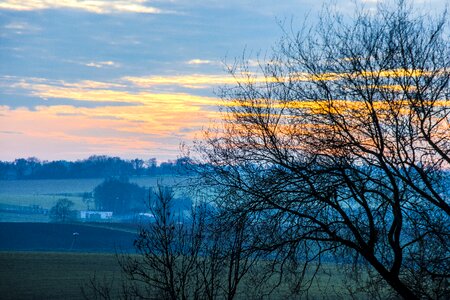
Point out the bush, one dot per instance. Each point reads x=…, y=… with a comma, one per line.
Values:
x=119, y=196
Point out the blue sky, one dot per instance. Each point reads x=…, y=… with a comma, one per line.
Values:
x=131, y=78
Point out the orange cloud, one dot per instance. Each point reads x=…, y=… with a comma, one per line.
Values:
x=95, y=91
x=152, y=125
x=168, y=117
x=126, y=130
x=203, y=81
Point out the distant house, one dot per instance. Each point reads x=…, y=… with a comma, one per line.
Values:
x=95, y=215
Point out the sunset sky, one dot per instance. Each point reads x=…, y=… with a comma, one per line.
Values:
x=129, y=78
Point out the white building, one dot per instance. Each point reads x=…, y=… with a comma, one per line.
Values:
x=95, y=215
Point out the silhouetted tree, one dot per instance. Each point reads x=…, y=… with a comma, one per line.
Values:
x=169, y=249
x=138, y=166
x=119, y=195
x=339, y=148
x=62, y=211
x=180, y=256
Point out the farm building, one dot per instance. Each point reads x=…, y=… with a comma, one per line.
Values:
x=95, y=215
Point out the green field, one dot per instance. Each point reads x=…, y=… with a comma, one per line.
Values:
x=45, y=193
x=52, y=275
x=42, y=275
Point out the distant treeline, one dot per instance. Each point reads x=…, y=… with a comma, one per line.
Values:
x=92, y=167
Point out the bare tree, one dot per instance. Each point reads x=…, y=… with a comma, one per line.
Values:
x=195, y=256
x=340, y=147
x=168, y=251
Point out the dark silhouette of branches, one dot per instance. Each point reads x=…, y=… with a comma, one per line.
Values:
x=340, y=146
x=195, y=256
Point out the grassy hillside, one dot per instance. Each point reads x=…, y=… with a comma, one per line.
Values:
x=46, y=192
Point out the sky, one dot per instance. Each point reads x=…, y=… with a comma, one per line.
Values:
x=128, y=78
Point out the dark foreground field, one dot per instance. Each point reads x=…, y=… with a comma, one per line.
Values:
x=65, y=237
x=54, y=275
x=51, y=275
x=27, y=271
x=45, y=261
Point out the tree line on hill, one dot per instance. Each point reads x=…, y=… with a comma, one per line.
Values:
x=93, y=167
